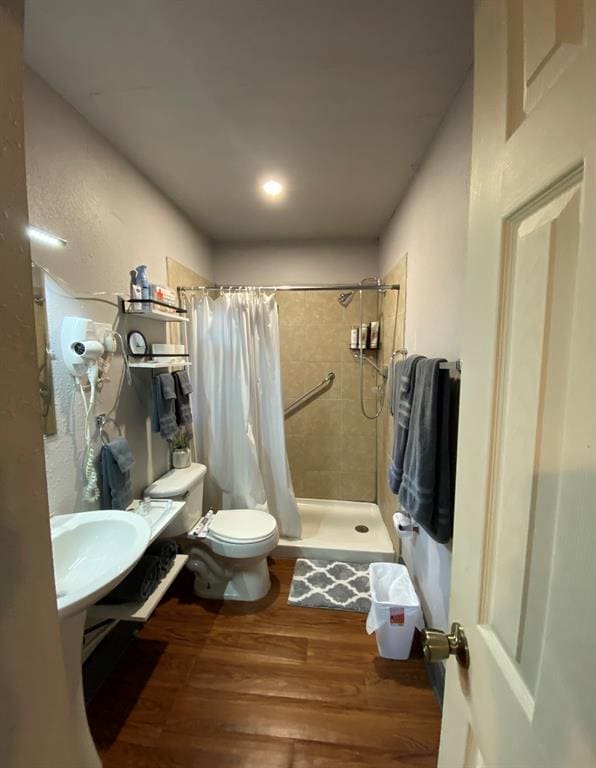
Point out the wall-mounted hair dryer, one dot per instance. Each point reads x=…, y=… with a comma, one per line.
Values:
x=84, y=342
x=84, y=345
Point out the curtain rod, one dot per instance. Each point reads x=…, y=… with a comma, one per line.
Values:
x=335, y=287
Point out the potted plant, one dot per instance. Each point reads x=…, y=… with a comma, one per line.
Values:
x=180, y=445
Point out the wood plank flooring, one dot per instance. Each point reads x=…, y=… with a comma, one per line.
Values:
x=264, y=685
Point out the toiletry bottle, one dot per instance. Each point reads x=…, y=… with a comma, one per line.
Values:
x=354, y=337
x=143, y=281
x=364, y=336
x=374, y=334
x=135, y=292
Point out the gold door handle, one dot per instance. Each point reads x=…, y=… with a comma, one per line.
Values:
x=438, y=646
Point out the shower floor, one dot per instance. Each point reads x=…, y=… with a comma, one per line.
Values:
x=330, y=532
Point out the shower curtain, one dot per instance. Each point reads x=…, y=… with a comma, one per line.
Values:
x=237, y=403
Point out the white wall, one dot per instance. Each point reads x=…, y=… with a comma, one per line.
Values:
x=35, y=718
x=80, y=188
x=430, y=226
x=295, y=263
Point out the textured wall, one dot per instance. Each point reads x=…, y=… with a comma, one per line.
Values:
x=81, y=189
x=393, y=315
x=34, y=729
x=331, y=446
x=430, y=225
x=295, y=263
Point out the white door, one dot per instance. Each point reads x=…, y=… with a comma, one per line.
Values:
x=524, y=557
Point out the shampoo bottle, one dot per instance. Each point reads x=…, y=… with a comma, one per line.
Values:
x=143, y=281
x=135, y=292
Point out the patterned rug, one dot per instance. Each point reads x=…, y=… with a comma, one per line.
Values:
x=330, y=584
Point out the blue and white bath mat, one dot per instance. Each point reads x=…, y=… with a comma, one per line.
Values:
x=330, y=584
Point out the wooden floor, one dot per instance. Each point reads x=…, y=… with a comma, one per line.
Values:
x=261, y=686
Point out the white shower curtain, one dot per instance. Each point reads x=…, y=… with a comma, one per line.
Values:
x=237, y=403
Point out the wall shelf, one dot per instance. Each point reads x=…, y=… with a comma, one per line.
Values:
x=140, y=611
x=155, y=364
x=157, y=311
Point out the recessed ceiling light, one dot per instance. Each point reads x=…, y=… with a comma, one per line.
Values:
x=272, y=188
x=45, y=238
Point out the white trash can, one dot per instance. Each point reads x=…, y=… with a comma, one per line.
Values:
x=394, y=611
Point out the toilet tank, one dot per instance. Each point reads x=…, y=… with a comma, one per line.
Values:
x=181, y=485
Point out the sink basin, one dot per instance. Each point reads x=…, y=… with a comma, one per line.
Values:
x=93, y=552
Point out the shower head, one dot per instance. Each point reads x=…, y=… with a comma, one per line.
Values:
x=345, y=298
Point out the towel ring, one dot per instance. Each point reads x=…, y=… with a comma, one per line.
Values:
x=101, y=422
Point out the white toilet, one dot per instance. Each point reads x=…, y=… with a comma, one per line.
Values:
x=230, y=563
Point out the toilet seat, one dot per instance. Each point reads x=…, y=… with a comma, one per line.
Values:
x=242, y=526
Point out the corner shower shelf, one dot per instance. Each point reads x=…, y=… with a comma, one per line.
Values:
x=140, y=611
x=154, y=312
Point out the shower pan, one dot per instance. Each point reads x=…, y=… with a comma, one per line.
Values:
x=349, y=531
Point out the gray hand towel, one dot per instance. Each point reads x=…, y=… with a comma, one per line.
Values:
x=166, y=406
x=418, y=493
x=116, y=461
x=183, y=390
x=404, y=377
x=184, y=381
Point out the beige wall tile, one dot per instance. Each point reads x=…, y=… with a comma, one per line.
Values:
x=358, y=454
x=320, y=484
x=323, y=452
x=291, y=306
x=324, y=342
x=292, y=342
x=323, y=307
x=370, y=304
x=292, y=380
x=350, y=389
x=352, y=420
x=314, y=373
x=295, y=424
x=296, y=446
x=323, y=417
x=359, y=486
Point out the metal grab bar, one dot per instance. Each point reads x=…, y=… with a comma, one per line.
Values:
x=307, y=395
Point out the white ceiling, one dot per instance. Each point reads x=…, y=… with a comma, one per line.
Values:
x=340, y=97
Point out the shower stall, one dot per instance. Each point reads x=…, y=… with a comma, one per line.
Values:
x=332, y=396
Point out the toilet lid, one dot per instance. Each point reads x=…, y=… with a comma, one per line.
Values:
x=246, y=525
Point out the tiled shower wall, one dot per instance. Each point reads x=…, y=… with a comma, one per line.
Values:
x=331, y=445
x=394, y=307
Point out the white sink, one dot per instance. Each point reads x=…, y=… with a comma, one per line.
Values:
x=93, y=552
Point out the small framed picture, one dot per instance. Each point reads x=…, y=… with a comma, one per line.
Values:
x=137, y=344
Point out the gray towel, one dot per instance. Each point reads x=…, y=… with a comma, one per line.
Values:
x=155, y=396
x=183, y=390
x=116, y=461
x=423, y=464
x=441, y=523
x=138, y=585
x=403, y=384
x=166, y=407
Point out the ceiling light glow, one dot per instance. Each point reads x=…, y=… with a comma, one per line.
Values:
x=45, y=238
x=272, y=188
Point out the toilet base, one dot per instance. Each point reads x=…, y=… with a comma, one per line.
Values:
x=220, y=578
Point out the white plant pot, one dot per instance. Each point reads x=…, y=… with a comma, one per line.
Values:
x=181, y=458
